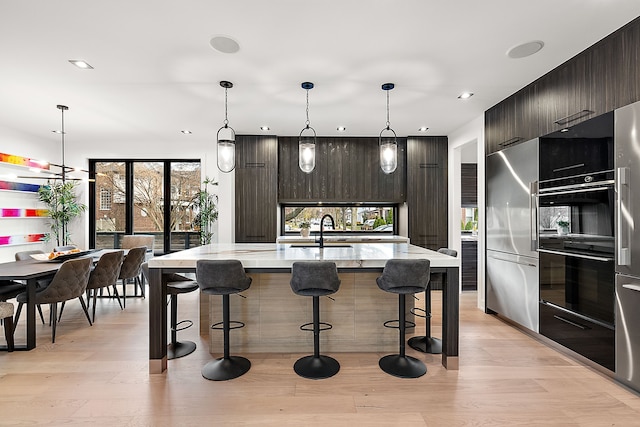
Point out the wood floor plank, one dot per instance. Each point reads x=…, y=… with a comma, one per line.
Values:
x=98, y=375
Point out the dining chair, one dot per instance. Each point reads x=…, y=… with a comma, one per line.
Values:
x=69, y=282
x=42, y=283
x=105, y=274
x=130, y=241
x=131, y=269
x=6, y=314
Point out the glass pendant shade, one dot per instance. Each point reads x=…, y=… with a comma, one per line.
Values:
x=226, y=138
x=307, y=140
x=388, y=151
x=307, y=150
x=226, y=149
x=387, y=143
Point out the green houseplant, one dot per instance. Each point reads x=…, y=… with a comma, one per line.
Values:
x=63, y=207
x=206, y=205
x=305, y=228
x=563, y=227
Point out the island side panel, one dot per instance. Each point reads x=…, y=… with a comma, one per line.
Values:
x=272, y=314
x=450, y=318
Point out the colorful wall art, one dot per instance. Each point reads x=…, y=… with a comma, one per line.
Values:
x=21, y=239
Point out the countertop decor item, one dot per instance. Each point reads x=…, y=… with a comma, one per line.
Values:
x=305, y=228
x=226, y=138
x=307, y=142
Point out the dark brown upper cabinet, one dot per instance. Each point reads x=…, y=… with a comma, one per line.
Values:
x=469, y=184
x=512, y=121
x=347, y=170
x=427, y=191
x=256, y=178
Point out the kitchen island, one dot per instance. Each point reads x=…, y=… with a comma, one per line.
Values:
x=271, y=309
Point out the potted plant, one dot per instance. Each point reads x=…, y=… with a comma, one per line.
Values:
x=305, y=228
x=205, y=203
x=563, y=227
x=62, y=208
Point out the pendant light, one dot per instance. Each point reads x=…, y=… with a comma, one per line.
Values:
x=387, y=143
x=307, y=140
x=226, y=138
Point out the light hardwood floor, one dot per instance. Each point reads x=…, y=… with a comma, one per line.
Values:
x=99, y=376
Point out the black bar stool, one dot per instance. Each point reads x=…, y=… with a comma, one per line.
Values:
x=427, y=343
x=315, y=279
x=402, y=277
x=176, y=285
x=223, y=277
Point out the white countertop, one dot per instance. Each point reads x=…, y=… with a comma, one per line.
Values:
x=278, y=256
x=330, y=240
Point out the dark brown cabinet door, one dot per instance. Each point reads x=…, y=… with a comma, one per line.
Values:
x=256, y=189
x=347, y=170
x=427, y=191
x=512, y=121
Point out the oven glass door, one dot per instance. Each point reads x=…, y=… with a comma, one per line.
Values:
x=578, y=221
x=579, y=284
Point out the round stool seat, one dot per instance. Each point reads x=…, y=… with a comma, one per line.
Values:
x=175, y=288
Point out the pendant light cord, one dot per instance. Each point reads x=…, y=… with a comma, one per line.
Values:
x=226, y=121
x=307, y=122
x=388, y=122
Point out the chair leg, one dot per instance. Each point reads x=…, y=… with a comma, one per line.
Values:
x=141, y=284
x=17, y=316
x=95, y=299
x=53, y=308
x=40, y=311
x=84, y=307
x=115, y=292
x=124, y=293
x=8, y=332
x=61, y=310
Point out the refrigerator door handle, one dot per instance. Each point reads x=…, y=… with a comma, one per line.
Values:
x=533, y=214
x=632, y=287
x=622, y=215
x=511, y=261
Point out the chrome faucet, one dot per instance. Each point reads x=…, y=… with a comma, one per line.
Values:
x=333, y=225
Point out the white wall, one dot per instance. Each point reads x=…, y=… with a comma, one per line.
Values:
x=471, y=133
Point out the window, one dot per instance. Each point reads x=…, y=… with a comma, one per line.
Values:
x=105, y=200
x=347, y=218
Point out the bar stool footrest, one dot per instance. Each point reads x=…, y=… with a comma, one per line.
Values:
x=426, y=344
x=316, y=368
x=420, y=312
x=233, y=324
x=402, y=366
x=324, y=326
x=408, y=324
x=182, y=328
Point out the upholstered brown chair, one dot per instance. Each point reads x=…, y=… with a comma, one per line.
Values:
x=42, y=283
x=6, y=314
x=69, y=282
x=131, y=269
x=105, y=274
x=130, y=241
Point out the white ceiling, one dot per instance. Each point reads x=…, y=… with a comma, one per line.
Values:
x=156, y=74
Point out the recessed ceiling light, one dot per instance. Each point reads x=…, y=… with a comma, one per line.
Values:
x=224, y=44
x=186, y=132
x=525, y=49
x=423, y=129
x=81, y=64
x=341, y=128
x=564, y=130
x=265, y=128
x=465, y=95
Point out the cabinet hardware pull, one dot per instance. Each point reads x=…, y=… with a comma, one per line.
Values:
x=576, y=324
x=572, y=117
x=255, y=235
x=510, y=141
x=580, y=188
x=254, y=164
x=428, y=165
x=574, y=255
x=579, y=165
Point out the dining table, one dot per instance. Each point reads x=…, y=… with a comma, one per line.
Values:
x=30, y=272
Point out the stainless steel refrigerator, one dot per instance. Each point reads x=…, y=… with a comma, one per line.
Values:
x=512, y=260
x=627, y=307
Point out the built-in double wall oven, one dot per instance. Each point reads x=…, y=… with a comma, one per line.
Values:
x=576, y=242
